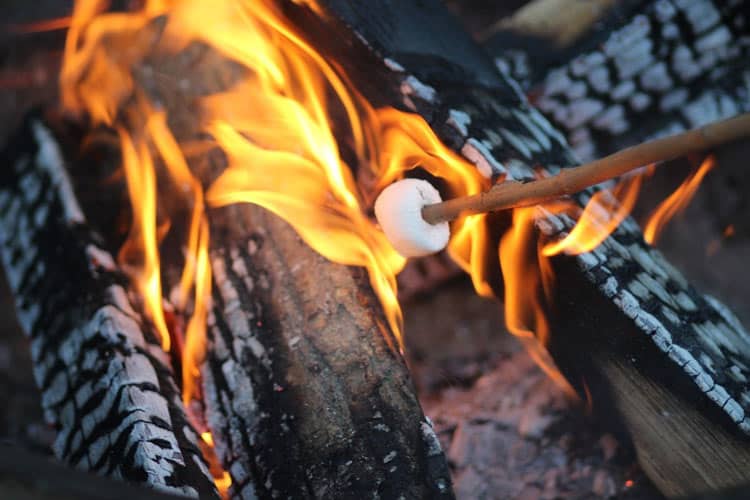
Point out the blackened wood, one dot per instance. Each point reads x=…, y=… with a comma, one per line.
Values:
x=647, y=72
x=305, y=393
x=106, y=385
x=29, y=476
x=683, y=331
x=627, y=380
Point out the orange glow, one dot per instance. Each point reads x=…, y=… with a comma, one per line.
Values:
x=196, y=270
x=603, y=213
x=140, y=254
x=208, y=438
x=223, y=483
x=222, y=479
x=528, y=280
x=676, y=202
x=59, y=23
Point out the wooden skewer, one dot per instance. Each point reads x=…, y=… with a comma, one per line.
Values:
x=514, y=194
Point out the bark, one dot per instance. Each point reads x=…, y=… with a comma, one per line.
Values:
x=663, y=67
x=304, y=390
x=686, y=334
x=106, y=385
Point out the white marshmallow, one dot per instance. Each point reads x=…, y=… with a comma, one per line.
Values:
x=399, y=212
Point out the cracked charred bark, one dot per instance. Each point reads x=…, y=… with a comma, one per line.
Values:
x=106, y=384
x=305, y=390
x=649, y=68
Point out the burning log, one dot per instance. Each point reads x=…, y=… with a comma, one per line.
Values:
x=305, y=391
x=646, y=70
x=106, y=384
x=686, y=336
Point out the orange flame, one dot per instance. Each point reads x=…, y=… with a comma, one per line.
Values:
x=603, y=213
x=676, y=202
x=140, y=253
x=59, y=23
x=529, y=281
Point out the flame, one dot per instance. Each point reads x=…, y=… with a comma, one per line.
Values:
x=603, y=213
x=529, y=281
x=676, y=202
x=222, y=479
x=140, y=254
x=59, y=23
x=275, y=129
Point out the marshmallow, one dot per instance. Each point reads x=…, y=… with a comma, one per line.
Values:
x=399, y=212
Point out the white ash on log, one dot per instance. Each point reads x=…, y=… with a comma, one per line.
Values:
x=653, y=71
x=107, y=386
x=480, y=112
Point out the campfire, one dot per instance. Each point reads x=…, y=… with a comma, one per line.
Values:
x=204, y=235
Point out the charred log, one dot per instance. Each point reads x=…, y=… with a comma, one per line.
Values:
x=305, y=389
x=484, y=115
x=106, y=384
x=655, y=59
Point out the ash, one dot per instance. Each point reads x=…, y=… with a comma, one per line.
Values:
x=508, y=430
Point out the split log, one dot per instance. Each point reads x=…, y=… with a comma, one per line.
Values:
x=656, y=70
x=554, y=22
x=544, y=33
x=106, y=384
x=686, y=335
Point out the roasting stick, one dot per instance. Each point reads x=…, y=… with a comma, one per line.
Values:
x=571, y=180
x=416, y=232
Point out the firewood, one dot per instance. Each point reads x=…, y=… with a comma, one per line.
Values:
x=305, y=390
x=555, y=21
x=483, y=114
x=106, y=385
x=28, y=476
x=652, y=403
x=664, y=67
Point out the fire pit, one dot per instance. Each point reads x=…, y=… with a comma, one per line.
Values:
x=213, y=310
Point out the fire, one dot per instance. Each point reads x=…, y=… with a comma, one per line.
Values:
x=59, y=23
x=140, y=254
x=676, y=202
x=603, y=213
x=274, y=127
